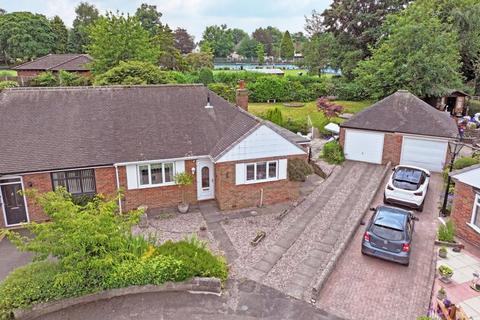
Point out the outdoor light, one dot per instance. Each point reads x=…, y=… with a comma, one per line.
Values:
x=454, y=148
x=193, y=170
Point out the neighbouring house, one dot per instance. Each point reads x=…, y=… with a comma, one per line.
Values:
x=466, y=203
x=401, y=129
x=98, y=140
x=78, y=63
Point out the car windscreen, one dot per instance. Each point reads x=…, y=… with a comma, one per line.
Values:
x=407, y=178
x=388, y=233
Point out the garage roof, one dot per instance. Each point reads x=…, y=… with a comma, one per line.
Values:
x=404, y=112
x=469, y=175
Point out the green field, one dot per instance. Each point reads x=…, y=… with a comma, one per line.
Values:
x=9, y=73
x=310, y=109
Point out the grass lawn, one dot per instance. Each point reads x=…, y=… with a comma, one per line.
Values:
x=310, y=109
x=10, y=73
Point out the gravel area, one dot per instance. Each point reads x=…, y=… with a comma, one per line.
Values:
x=174, y=226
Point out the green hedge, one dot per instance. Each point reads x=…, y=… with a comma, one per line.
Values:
x=332, y=152
x=473, y=107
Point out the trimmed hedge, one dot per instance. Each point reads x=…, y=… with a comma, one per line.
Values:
x=332, y=152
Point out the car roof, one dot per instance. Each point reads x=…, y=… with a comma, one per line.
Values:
x=411, y=167
x=391, y=217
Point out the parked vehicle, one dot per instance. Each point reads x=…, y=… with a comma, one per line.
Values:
x=407, y=186
x=389, y=234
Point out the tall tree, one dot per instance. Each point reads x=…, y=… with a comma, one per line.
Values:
x=264, y=37
x=220, y=39
x=61, y=34
x=149, y=17
x=260, y=54
x=169, y=56
x=248, y=47
x=287, y=50
x=184, y=41
x=87, y=14
x=24, y=35
x=319, y=52
x=238, y=35
x=116, y=38
x=419, y=54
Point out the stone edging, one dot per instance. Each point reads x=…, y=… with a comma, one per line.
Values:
x=338, y=252
x=194, y=285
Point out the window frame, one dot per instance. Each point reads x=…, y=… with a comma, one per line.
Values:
x=150, y=184
x=80, y=178
x=476, y=207
x=267, y=172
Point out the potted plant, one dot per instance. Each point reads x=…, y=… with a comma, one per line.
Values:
x=441, y=294
x=445, y=273
x=183, y=180
x=442, y=252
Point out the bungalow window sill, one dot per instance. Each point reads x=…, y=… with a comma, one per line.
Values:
x=474, y=227
x=261, y=181
x=148, y=186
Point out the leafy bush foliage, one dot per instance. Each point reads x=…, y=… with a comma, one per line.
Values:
x=274, y=115
x=465, y=162
x=93, y=249
x=134, y=72
x=329, y=109
x=44, y=79
x=473, y=107
x=205, y=76
x=8, y=84
x=296, y=126
x=344, y=89
x=332, y=152
x=298, y=170
x=223, y=90
x=446, y=232
x=68, y=79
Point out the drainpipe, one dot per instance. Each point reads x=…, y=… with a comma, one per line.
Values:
x=118, y=189
x=261, y=198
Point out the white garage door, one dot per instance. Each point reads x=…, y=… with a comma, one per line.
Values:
x=363, y=146
x=427, y=154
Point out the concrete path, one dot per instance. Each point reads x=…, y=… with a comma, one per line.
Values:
x=304, y=255
x=241, y=300
x=11, y=258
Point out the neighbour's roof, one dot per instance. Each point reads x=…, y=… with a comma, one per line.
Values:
x=56, y=62
x=405, y=113
x=469, y=175
x=59, y=128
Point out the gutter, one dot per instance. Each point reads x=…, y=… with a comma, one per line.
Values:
x=118, y=189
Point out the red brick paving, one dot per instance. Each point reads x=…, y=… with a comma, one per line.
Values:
x=363, y=287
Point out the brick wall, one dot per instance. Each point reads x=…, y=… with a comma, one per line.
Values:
x=392, y=148
x=41, y=182
x=341, y=138
x=231, y=196
x=462, y=207
x=106, y=181
x=157, y=197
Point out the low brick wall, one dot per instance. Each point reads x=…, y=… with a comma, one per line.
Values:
x=205, y=285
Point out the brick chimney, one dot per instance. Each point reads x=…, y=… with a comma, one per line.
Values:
x=242, y=96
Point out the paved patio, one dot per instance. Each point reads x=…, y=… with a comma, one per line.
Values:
x=464, y=264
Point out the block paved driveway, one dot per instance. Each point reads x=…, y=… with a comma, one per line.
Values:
x=363, y=287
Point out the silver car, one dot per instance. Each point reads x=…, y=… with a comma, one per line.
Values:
x=389, y=234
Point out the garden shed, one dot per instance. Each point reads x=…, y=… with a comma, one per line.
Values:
x=401, y=129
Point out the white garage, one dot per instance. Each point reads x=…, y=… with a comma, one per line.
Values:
x=424, y=153
x=399, y=129
x=366, y=146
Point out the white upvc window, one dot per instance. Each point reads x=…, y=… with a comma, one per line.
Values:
x=261, y=171
x=155, y=174
x=475, y=222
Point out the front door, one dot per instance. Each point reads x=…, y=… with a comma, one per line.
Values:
x=205, y=179
x=13, y=202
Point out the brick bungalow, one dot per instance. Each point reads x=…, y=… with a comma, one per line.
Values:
x=466, y=203
x=401, y=129
x=71, y=62
x=98, y=140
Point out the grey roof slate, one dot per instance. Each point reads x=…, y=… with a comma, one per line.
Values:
x=58, y=128
x=405, y=113
x=56, y=62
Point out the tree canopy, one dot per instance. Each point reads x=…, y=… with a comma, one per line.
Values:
x=86, y=15
x=60, y=33
x=149, y=18
x=287, y=50
x=115, y=38
x=24, y=36
x=248, y=47
x=220, y=40
x=183, y=41
x=409, y=57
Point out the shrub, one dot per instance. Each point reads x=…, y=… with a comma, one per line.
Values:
x=205, y=76
x=446, y=232
x=134, y=72
x=464, y=162
x=296, y=126
x=348, y=90
x=274, y=115
x=298, y=170
x=223, y=90
x=68, y=79
x=445, y=271
x=197, y=260
x=44, y=79
x=8, y=84
x=268, y=88
x=332, y=152
x=473, y=107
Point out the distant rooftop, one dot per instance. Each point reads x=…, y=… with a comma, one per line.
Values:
x=268, y=71
x=56, y=62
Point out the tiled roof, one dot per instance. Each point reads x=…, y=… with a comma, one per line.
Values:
x=56, y=62
x=405, y=113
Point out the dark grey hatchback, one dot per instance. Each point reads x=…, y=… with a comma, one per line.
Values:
x=389, y=234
